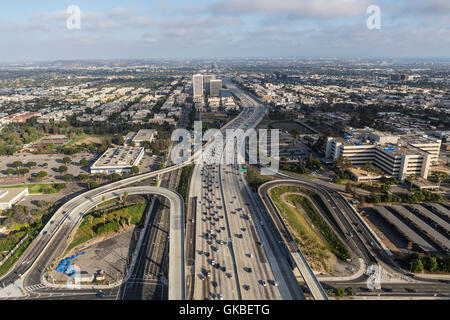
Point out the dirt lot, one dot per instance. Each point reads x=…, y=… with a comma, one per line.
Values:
x=110, y=253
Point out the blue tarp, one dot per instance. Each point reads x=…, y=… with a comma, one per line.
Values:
x=64, y=265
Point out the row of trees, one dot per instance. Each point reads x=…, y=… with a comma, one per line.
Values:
x=312, y=164
x=420, y=263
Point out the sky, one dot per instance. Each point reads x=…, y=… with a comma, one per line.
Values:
x=140, y=29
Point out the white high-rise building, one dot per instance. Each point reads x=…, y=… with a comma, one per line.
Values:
x=215, y=87
x=197, y=85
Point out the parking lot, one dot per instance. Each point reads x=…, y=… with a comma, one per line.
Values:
x=54, y=161
x=408, y=228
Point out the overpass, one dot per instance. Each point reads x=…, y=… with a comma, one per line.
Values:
x=176, y=232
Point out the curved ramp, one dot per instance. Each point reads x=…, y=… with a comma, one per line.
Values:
x=176, y=233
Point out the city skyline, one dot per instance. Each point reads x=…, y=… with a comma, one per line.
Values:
x=227, y=29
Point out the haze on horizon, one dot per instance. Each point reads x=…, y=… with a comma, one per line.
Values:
x=139, y=29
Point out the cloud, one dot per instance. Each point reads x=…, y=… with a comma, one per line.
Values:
x=293, y=8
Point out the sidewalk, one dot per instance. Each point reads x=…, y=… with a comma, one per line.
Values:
x=12, y=291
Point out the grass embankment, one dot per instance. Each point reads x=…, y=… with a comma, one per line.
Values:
x=10, y=262
x=183, y=187
x=41, y=187
x=333, y=243
x=313, y=246
x=7, y=243
x=101, y=222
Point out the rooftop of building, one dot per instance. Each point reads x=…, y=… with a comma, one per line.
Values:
x=397, y=144
x=144, y=135
x=8, y=194
x=118, y=157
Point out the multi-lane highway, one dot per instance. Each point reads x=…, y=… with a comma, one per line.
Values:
x=234, y=258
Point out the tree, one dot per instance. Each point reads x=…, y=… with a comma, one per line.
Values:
x=31, y=164
x=341, y=165
x=133, y=144
x=348, y=188
x=118, y=139
x=125, y=196
x=313, y=164
x=68, y=177
x=92, y=185
x=42, y=174
x=83, y=162
x=134, y=169
x=62, y=169
x=433, y=265
x=45, y=164
x=147, y=145
x=10, y=171
x=23, y=171
x=66, y=160
x=91, y=220
x=17, y=164
x=411, y=180
x=439, y=176
x=82, y=177
x=103, y=198
x=417, y=265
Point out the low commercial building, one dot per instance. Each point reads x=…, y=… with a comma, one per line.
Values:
x=10, y=196
x=144, y=135
x=118, y=160
x=397, y=156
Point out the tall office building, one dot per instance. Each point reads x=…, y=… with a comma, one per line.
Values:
x=197, y=85
x=206, y=83
x=215, y=87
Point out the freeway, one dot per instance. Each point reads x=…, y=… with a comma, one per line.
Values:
x=235, y=257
